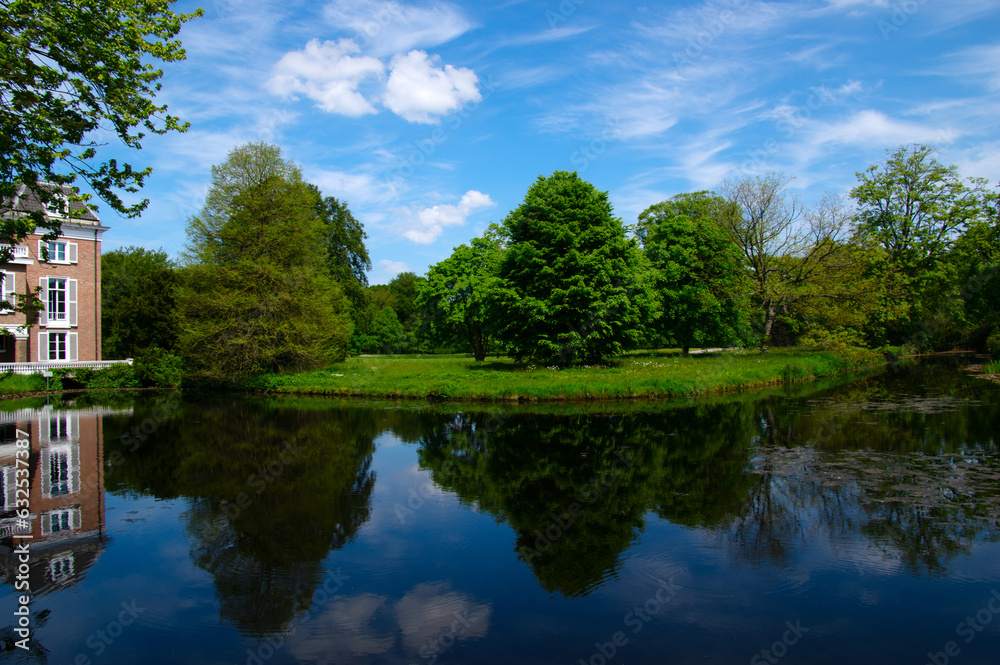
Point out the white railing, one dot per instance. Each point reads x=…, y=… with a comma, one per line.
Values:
x=20, y=251
x=34, y=368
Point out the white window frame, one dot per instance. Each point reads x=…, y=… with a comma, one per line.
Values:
x=9, y=487
x=72, y=347
x=70, y=319
x=57, y=205
x=50, y=454
x=62, y=567
x=72, y=517
x=9, y=292
x=70, y=251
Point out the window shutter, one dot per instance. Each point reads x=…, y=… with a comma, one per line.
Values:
x=74, y=519
x=10, y=287
x=46, y=521
x=41, y=248
x=71, y=346
x=74, y=469
x=9, y=488
x=46, y=472
x=71, y=300
x=43, y=316
x=71, y=252
x=43, y=347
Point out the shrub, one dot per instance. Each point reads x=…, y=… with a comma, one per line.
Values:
x=157, y=368
x=993, y=344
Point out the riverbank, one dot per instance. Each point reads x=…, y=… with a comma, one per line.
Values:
x=637, y=376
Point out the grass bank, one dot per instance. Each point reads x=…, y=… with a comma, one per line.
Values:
x=639, y=375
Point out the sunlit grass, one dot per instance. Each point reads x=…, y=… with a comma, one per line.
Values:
x=647, y=374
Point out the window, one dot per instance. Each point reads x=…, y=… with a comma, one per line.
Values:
x=57, y=251
x=59, y=428
x=59, y=469
x=57, y=346
x=61, y=567
x=60, y=520
x=56, y=310
x=9, y=290
x=58, y=205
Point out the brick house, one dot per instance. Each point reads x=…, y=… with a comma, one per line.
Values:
x=68, y=283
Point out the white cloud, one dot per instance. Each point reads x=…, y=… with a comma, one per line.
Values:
x=426, y=225
x=329, y=74
x=419, y=91
x=355, y=188
x=385, y=28
x=388, y=269
x=869, y=127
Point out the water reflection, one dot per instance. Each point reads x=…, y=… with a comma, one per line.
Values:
x=916, y=474
x=272, y=490
x=64, y=492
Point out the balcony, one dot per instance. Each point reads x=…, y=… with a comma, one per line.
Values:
x=21, y=254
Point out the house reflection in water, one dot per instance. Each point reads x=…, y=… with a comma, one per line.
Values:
x=66, y=495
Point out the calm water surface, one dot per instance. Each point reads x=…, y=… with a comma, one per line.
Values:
x=849, y=524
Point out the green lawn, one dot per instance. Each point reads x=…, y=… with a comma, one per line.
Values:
x=645, y=374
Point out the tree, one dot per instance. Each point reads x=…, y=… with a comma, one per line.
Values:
x=915, y=208
x=699, y=275
x=379, y=331
x=69, y=69
x=454, y=301
x=346, y=255
x=137, y=302
x=569, y=286
x=793, y=257
x=256, y=296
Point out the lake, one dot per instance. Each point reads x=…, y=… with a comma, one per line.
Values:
x=816, y=523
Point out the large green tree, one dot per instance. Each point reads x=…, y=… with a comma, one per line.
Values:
x=346, y=255
x=915, y=208
x=71, y=70
x=453, y=300
x=698, y=276
x=794, y=256
x=570, y=286
x=257, y=296
x=137, y=302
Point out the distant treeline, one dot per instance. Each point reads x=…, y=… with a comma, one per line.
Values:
x=273, y=278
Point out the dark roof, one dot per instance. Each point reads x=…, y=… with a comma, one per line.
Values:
x=26, y=201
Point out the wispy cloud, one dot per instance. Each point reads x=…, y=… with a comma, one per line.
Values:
x=386, y=28
x=426, y=225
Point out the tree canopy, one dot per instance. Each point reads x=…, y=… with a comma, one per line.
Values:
x=137, y=302
x=72, y=72
x=570, y=286
x=454, y=299
x=257, y=296
x=698, y=272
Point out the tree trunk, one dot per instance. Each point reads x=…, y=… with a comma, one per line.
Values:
x=768, y=323
x=685, y=349
x=478, y=347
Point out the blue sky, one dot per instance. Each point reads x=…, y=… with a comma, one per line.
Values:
x=432, y=119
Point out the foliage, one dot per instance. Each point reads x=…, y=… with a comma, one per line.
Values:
x=698, y=273
x=255, y=296
x=571, y=287
x=454, y=301
x=137, y=301
x=795, y=257
x=70, y=73
x=117, y=376
x=346, y=255
x=381, y=333
x=157, y=368
x=993, y=345
x=915, y=208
